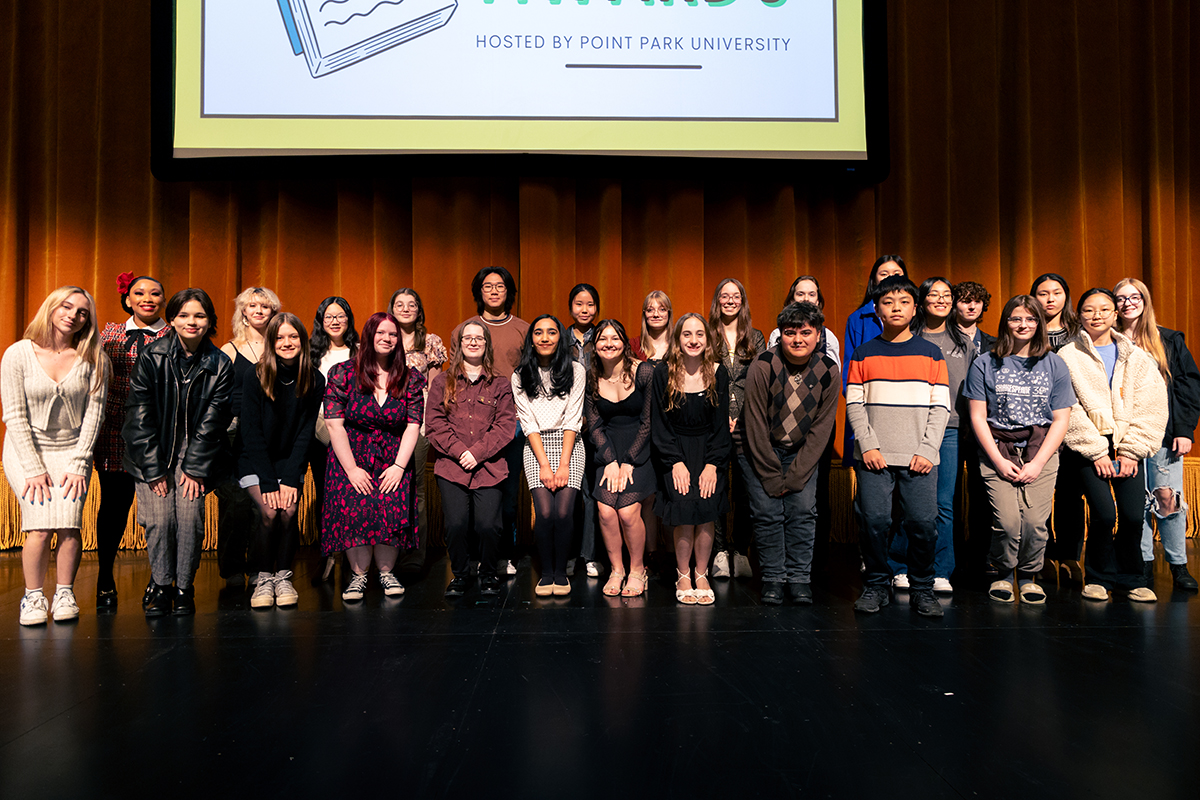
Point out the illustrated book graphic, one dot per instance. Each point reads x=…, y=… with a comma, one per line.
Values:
x=333, y=34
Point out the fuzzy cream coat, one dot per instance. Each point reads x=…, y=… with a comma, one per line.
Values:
x=1133, y=411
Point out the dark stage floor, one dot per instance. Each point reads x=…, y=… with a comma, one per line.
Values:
x=592, y=697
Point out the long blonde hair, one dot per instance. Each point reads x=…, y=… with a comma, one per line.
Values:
x=238, y=326
x=676, y=372
x=86, y=342
x=1144, y=329
x=656, y=297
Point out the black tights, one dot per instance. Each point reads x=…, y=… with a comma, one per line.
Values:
x=116, y=496
x=553, y=527
x=277, y=535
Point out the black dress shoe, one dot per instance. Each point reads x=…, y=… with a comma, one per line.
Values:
x=146, y=594
x=489, y=586
x=457, y=587
x=772, y=593
x=106, y=601
x=800, y=593
x=185, y=602
x=159, y=602
x=1183, y=579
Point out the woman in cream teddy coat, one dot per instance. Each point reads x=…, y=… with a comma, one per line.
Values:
x=1119, y=419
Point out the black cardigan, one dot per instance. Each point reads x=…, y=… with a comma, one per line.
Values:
x=274, y=435
x=1183, y=390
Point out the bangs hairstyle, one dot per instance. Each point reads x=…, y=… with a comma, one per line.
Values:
x=675, y=369
x=268, y=367
x=455, y=364
x=239, y=324
x=896, y=283
x=744, y=347
x=1144, y=329
x=787, y=301
x=419, y=323
x=1006, y=344
x=320, y=341
x=86, y=341
x=1069, y=317
x=661, y=298
x=125, y=294
x=185, y=296
x=920, y=324
x=583, y=287
x=872, y=284
x=562, y=369
x=596, y=372
x=510, y=288
x=966, y=291
x=798, y=315
x=366, y=370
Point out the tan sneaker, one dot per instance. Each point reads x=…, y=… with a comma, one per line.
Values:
x=1094, y=591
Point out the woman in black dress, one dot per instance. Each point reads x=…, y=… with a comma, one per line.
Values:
x=690, y=431
x=617, y=410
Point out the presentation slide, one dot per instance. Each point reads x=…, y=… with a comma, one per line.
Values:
x=739, y=78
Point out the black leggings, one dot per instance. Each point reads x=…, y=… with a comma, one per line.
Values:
x=116, y=496
x=552, y=529
x=276, y=536
x=1114, y=533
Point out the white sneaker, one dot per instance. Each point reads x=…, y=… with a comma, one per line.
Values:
x=63, y=607
x=570, y=567
x=285, y=592
x=942, y=586
x=391, y=586
x=900, y=580
x=356, y=587
x=593, y=569
x=720, y=567
x=741, y=566
x=264, y=591
x=506, y=567
x=33, y=609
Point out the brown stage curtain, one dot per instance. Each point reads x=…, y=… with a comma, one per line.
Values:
x=1025, y=138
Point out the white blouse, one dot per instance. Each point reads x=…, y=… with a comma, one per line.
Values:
x=547, y=413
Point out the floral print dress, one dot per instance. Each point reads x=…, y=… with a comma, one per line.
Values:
x=351, y=519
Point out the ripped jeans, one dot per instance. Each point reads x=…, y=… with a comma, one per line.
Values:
x=1164, y=469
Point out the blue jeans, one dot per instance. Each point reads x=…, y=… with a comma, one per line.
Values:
x=918, y=506
x=947, y=483
x=1163, y=469
x=785, y=528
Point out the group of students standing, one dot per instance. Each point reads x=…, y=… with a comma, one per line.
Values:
x=630, y=435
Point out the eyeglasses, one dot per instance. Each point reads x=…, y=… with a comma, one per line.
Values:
x=1022, y=321
x=492, y=287
x=1130, y=299
x=337, y=318
x=939, y=296
x=1097, y=313
x=473, y=340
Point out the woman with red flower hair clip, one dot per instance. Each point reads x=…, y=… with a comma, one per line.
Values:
x=143, y=297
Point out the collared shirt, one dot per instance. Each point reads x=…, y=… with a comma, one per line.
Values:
x=482, y=419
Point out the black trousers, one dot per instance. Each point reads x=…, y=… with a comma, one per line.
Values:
x=1114, y=531
x=460, y=506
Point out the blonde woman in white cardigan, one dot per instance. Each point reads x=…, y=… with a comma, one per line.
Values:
x=53, y=383
x=1119, y=419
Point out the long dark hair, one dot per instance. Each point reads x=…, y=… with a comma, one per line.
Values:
x=562, y=366
x=267, y=368
x=320, y=342
x=920, y=324
x=418, y=323
x=744, y=348
x=1069, y=317
x=873, y=284
x=366, y=371
x=1006, y=345
x=597, y=370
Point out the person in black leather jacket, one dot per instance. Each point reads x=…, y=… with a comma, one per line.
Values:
x=175, y=444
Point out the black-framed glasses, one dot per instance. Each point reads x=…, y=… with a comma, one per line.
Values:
x=1130, y=299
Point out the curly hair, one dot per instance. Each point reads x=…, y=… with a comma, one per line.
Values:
x=675, y=369
x=238, y=325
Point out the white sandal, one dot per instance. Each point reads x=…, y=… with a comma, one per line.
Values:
x=686, y=596
x=705, y=597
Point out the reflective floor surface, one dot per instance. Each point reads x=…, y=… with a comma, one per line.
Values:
x=596, y=697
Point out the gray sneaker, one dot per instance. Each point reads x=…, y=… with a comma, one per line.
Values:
x=720, y=567
x=872, y=599
x=925, y=603
x=264, y=591
x=285, y=592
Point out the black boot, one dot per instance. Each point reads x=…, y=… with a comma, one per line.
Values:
x=1183, y=579
x=147, y=594
x=185, y=602
x=158, y=604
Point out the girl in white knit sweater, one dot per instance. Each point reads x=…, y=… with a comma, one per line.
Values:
x=1119, y=419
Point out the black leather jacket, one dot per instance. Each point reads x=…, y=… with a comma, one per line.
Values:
x=155, y=393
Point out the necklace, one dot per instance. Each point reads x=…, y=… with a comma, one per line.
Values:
x=287, y=383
